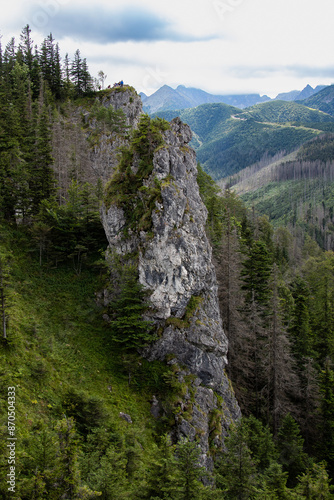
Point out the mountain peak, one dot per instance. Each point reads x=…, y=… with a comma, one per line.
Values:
x=168, y=99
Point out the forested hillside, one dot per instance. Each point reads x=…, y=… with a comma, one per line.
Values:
x=227, y=139
x=295, y=191
x=92, y=417
x=322, y=100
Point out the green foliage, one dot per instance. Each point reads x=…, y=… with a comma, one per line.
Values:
x=322, y=100
x=256, y=273
x=189, y=471
x=290, y=447
x=190, y=310
x=87, y=411
x=327, y=410
x=286, y=112
x=105, y=120
x=128, y=328
x=300, y=321
x=125, y=188
x=161, y=480
x=227, y=139
x=319, y=149
x=314, y=484
x=72, y=230
x=224, y=210
x=236, y=471
x=58, y=357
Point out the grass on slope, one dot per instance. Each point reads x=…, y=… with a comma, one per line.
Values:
x=58, y=349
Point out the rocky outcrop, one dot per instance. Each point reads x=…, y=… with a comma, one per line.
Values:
x=126, y=99
x=175, y=266
x=103, y=154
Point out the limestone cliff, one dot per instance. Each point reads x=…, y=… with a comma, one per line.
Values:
x=175, y=266
x=103, y=152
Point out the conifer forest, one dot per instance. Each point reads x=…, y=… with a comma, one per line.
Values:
x=92, y=415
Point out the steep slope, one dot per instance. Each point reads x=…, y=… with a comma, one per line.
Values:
x=323, y=100
x=295, y=190
x=174, y=266
x=86, y=138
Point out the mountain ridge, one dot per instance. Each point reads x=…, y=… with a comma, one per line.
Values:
x=166, y=98
x=228, y=139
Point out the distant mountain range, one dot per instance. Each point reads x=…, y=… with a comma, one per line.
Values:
x=299, y=95
x=166, y=98
x=228, y=139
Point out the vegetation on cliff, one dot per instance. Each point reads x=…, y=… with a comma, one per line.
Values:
x=84, y=422
x=125, y=188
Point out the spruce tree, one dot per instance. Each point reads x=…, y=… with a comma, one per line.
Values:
x=327, y=410
x=300, y=328
x=256, y=273
x=189, y=471
x=161, y=480
x=26, y=48
x=236, y=472
x=128, y=328
x=290, y=446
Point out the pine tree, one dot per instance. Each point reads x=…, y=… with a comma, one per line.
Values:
x=86, y=78
x=128, y=328
x=290, y=446
x=161, y=480
x=314, y=484
x=236, y=472
x=327, y=410
x=13, y=172
x=26, y=48
x=189, y=471
x=107, y=474
x=80, y=75
x=300, y=324
x=256, y=274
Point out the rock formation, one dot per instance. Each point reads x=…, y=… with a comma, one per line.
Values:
x=175, y=267
x=103, y=155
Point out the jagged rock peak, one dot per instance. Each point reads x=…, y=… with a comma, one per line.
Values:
x=175, y=266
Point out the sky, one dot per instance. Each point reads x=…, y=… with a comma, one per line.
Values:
x=220, y=46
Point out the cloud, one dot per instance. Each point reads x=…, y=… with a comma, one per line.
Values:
x=102, y=25
x=301, y=71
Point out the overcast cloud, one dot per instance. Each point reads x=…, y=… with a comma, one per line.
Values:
x=108, y=25
x=221, y=46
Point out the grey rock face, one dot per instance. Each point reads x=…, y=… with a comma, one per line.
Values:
x=175, y=266
x=103, y=156
x=128, y=101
